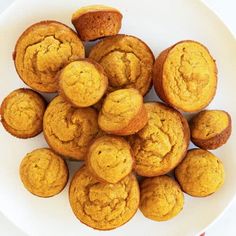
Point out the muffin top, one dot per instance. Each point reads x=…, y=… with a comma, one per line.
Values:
x=43, y=173
x=160, y=198
x=110, y=158
x=103, y=206
x=127, y=60
x=200, y=174
x=22, y=113
x=42, y=50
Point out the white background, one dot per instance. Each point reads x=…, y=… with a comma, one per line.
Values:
x=225, y=9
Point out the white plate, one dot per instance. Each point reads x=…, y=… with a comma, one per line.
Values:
x=159, y=24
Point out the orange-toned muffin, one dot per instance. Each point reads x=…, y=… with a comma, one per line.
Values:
x=82, y=82
x=123, y=112
x=96, y=21
x=100, y=205
x=110, y=158
x=42, y=50
x=127, y=60
x=43, y=173
x=69, y=130
x=22, y=113
x=160, y=198
x=210, y=129
x=200, y=174
x=185, y=76
x=162, y=143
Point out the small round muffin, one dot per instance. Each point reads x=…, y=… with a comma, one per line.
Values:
x=210, y=129
x=82, y=82
x=200, y=174
x=110, y=158
x=69, y=130
x=22, y=113
x=162, y=143
x=123, y=112
x=96, y=21
x=43, y=173
x=160, y=198
x=103, y=206
x=127, y=60
x=185, y=76
x=42, y=50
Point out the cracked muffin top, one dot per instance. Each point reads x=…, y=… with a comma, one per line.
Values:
x=185, y=76
x=42, y=50
x=200, y=174
x=22, y=113
x=69, y=130
x=103, y=206
x=82, y=82
x=43, y=173
x=127, y=60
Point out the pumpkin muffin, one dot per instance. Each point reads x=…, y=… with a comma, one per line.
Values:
x=96, y=21
x=22, y=113
x=103, y=206
x=69, y=130
x=123, y=112
x=160, y=198
x=200, y=174
x=127, y=60
x=210, y=129
x=162, y=143
x=110, y=158
x=185, y=76
x=43, y=173
x=82, y=82
x=42, y=50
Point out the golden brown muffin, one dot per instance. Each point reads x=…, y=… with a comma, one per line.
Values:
x=96, y=21
x=69, y=130
x=185, y=76
x=43, y=173
x=210, y=129
x=42, y=50
x=123, y=112
x=22, y=113
x=127, y=60
x=103, y=206
x=200, y=174
x=162, y=143
x=160, y=198
x=110, y=158
x=82, y=82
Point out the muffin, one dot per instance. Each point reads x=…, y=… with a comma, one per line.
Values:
x=69, y=130
x=127, y=60
x=200, y=174
x=43, y=173
x=103, y=206
x=162, y=143
x=96, y=21
x=185, y=76
x=82, y=82
x=22, y=113
x=123, y=112
x=42, y=50
x=109, y=159
x=160, y=198
x=210, y=129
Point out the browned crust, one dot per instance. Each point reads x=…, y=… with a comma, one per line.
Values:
x=8, y=128
x=216, y=141
x=158, y=75
x=96, y=24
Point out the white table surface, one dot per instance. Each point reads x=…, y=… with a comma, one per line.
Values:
x=226, y=225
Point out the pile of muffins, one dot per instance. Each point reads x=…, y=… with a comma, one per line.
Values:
x=99, y=116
